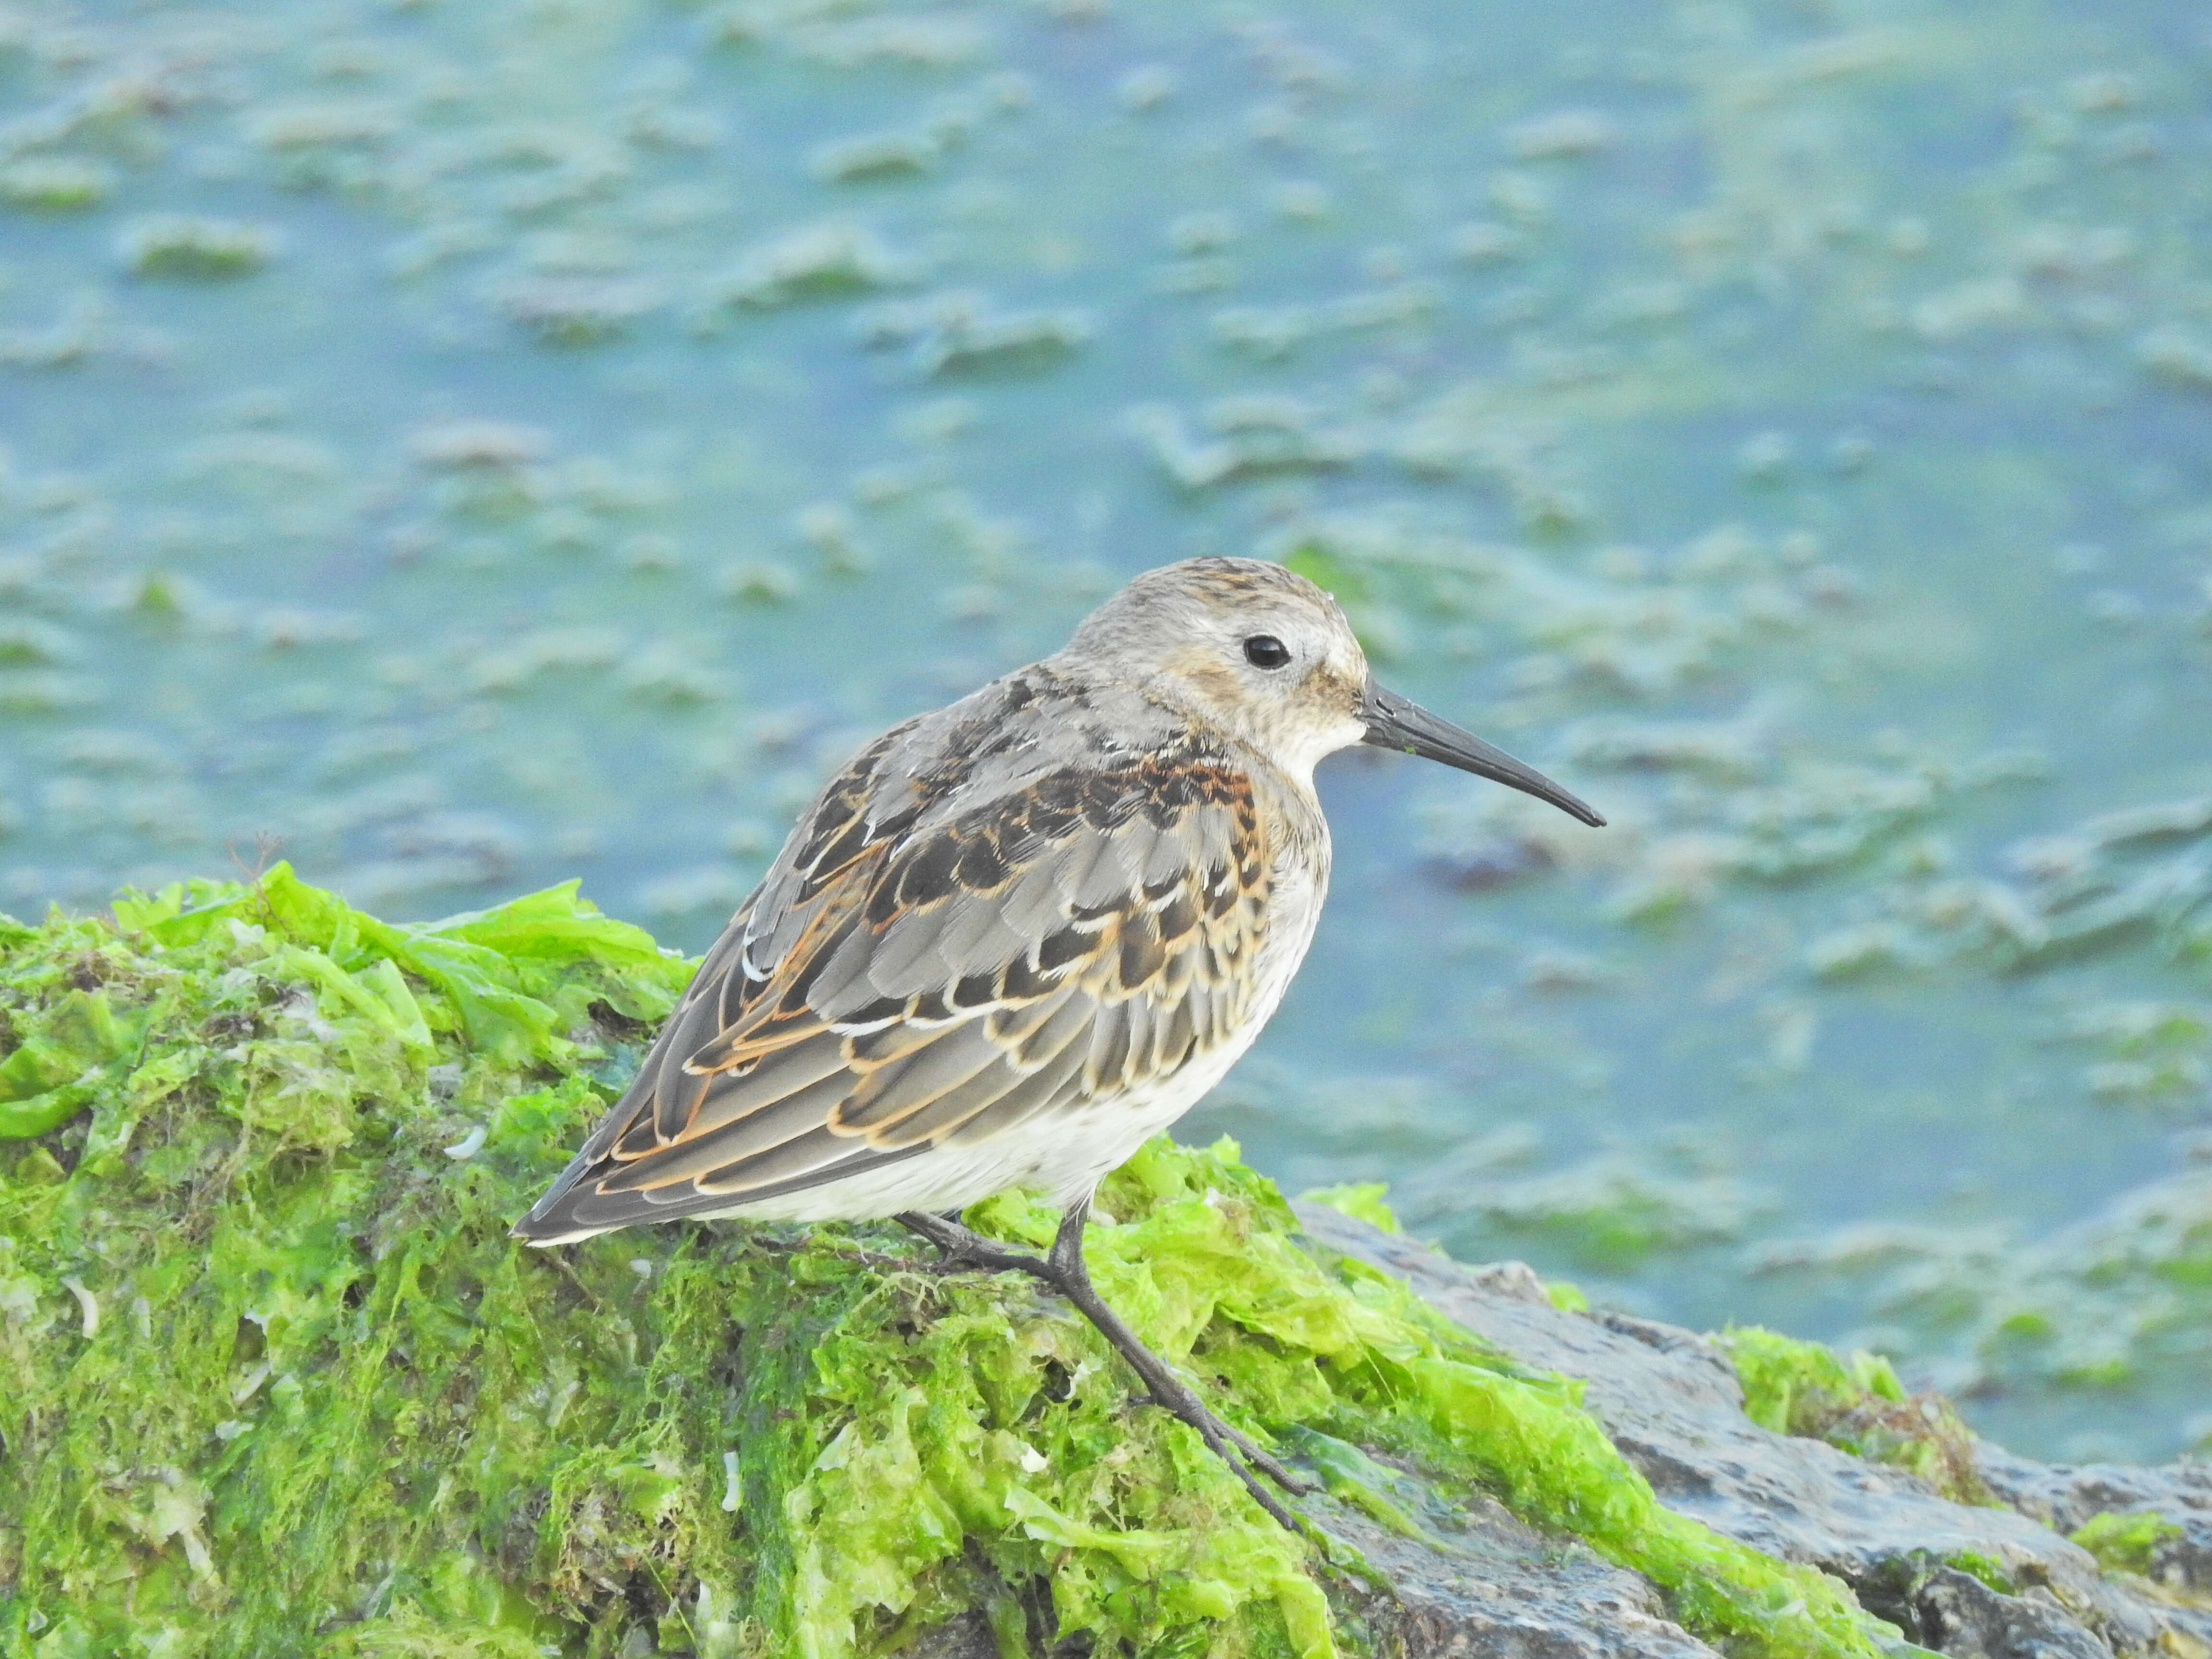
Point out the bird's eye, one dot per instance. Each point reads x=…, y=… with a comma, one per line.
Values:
x=1266, y=651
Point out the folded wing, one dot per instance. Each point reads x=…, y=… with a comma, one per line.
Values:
x=895, y=987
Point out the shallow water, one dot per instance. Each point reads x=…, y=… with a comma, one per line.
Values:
x=476, y=444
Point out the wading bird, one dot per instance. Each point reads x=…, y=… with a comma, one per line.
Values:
x=1015, y=938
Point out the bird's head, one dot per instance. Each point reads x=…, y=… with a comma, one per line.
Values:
x=1261, y=652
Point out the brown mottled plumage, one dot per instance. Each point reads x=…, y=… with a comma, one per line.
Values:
x=1015, y=937
x=966, y=931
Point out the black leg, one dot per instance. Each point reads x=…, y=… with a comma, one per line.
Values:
x=1168, y=1391
x=961, y=1247
x=1065, y=1270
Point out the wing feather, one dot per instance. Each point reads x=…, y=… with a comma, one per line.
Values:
x=976, y=935
x=902, y=980
x=731, y=1142
x=1045, y=1087
x=1110, y=1050
x=842, y=985
x=790, y=1160
x=1036, y=900
x=1027, y=1030
x=731, y=1096
x=907, y=1085
x=1109, y=874
x=934, y=1119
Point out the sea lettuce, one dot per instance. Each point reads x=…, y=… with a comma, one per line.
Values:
x=279, y=1383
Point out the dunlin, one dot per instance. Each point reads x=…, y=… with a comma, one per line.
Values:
x=1013, y=939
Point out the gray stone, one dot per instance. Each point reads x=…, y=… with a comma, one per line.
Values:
x=1672, y=1403
x=2067, y=1495
x=1954, y=1612
x=1470, y=1580
x=1483, y=1583
x=967, y=1637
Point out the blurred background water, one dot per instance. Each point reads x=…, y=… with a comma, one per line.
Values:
x=476, y=444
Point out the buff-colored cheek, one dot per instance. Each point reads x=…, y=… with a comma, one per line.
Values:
x=1205, y=669
x=1330, y=688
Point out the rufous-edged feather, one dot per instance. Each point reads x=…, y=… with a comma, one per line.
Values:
x=942, y=951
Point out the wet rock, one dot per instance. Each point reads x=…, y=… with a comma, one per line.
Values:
x=2067, y=1496
x=1979, y=1582
x=968, y=1637
x=1475, y=1581
x=1490, y=1585
x=2070, y=1496
x=1955, y=1612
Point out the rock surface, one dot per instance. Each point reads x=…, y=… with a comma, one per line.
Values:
x=1478, y=1582
x=1674, y=1406
x=1484, y=1584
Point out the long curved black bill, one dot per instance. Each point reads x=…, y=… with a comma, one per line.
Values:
x=1396, y=722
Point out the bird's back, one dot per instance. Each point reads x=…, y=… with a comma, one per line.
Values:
x=998, y=945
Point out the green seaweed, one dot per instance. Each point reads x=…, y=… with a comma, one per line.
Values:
x=1567, y=1296
x=1363, y=1200
x=285, y=1386
x=1855, y=1402
x=2124, y=1543
x=1989, y=1571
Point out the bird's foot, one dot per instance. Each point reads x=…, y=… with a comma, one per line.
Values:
x=960, y=1249
x=1167, y=1390
x=963, y=1250
x=1230, y=1444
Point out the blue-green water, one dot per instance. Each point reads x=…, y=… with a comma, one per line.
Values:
x=472, y=445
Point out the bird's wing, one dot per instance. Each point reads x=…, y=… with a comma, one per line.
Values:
x=893, y=988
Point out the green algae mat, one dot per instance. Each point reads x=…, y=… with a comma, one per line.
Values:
x=278, y=1383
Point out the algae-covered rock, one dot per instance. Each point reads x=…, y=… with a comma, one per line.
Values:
x=277, y=1382
x=1984, y=1577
